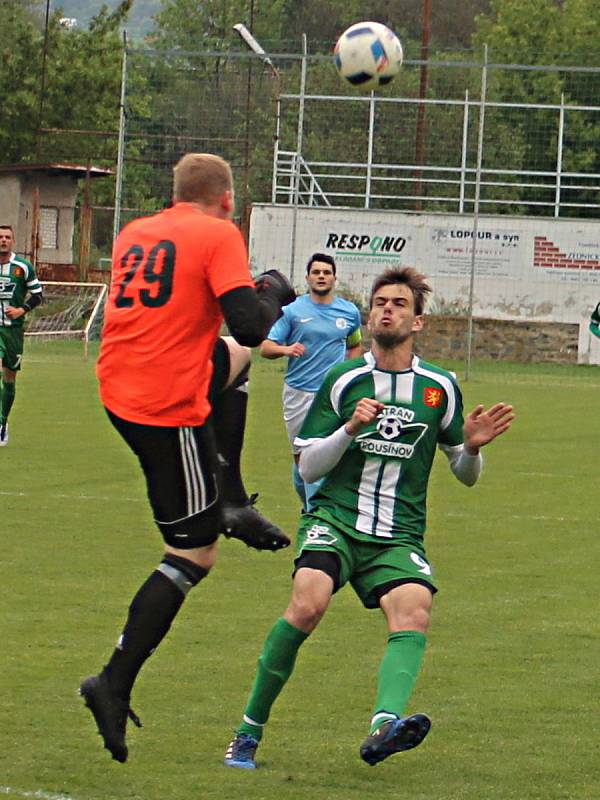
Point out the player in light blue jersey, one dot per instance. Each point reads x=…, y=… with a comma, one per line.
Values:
x=316, y=331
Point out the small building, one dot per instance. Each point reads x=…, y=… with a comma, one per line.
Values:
x=38, y=200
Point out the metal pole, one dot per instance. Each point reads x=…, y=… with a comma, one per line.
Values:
x=245, y=216
x=476, y=209
x=85, y=227
x=121, y=143
x=297, y=158
x=463, y=161
x=420, y=128
x=559, y=155
x=370, y=150
x=43, y=83
x=276, y=149
x=256, y=48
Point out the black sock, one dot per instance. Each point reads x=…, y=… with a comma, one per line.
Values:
x=229, y=420
x=151, y=613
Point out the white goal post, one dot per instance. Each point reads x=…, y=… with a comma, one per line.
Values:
x=70, y=309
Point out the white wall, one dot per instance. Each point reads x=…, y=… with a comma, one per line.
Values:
x=539, y=269
x=10, y=197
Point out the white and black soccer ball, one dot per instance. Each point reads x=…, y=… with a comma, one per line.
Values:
x=389, y=427
x=368, y=55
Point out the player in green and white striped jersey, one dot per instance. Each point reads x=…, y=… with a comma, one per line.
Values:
x=371, y=435
x=20, y=291
x=595, y=321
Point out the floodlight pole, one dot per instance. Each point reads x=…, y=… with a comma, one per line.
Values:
x=420, y=127
x=482, y=102
x=120, y=144
x=256, y=48
x=297, y=158
x=251, y=42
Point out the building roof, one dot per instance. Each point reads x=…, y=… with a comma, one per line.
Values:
x=76, y=170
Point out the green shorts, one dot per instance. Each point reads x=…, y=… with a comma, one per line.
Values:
x=11, y=346
x=368, y=566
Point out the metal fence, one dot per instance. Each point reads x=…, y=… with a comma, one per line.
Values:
x=300, y=136
x=464, y=136
x=448, y=179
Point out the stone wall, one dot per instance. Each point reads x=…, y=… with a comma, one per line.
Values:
x=504, y=340
x=444, y=337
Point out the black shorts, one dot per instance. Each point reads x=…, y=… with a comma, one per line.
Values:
x=182, y=477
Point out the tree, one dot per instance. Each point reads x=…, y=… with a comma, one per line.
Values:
x=534, y=32
x=20, y=62
x=79, y=90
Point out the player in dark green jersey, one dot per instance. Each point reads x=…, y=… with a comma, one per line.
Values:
x=371, y=435
x=20, y=291
x=595, y=321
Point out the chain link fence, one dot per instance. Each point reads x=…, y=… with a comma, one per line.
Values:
x=463, y=136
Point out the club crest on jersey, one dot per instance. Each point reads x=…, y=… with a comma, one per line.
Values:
x=19, y=272
x=320, y=534
x=342, y=323
x=396, y=434
x=432, y=396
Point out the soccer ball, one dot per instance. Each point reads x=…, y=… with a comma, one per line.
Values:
x=368, y=55
x=389, y=427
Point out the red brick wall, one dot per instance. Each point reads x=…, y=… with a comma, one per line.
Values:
x=69, y=272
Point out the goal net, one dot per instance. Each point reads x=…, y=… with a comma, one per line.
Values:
x=69, y=310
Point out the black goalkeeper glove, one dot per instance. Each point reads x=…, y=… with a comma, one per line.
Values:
x=274, y=284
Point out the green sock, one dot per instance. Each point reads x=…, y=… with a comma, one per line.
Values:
x=275, y=666
x=8, y=398
x=397, y=675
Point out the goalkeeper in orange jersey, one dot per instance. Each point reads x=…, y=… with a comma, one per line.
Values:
x=176, y=276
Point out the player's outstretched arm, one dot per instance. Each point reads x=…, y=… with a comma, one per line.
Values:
x=482, y=427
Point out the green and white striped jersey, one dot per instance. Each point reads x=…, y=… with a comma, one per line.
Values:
x=17, y=280
x=595, y=321
x=378, y=489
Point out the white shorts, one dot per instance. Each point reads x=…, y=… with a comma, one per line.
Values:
x=295, y=407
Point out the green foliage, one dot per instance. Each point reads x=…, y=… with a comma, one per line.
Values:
x=139, y=22
x=541, y=32
x=178, y=100
x=207, y=24
x=75, y=86
x=20, y=62
x=546, y=32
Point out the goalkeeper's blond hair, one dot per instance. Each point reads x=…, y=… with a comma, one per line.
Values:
x=201, y=178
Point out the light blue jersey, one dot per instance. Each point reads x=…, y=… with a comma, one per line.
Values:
x=323, y=329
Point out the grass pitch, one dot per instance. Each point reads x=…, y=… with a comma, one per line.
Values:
x=510, y=674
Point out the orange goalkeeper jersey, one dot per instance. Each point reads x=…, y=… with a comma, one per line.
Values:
x=162, y=316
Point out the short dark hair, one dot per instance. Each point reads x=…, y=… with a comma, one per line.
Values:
x=415, y=281
x=9, y=227
x=326, y=259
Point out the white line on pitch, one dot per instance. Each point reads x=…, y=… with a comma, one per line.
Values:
x=534, y=517
x=39, y=794
x=108, y=499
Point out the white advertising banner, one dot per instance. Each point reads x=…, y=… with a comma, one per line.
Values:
x=525, y=268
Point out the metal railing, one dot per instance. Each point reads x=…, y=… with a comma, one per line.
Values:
x=448, y=186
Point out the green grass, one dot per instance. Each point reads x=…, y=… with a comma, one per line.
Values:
x=510, y=674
